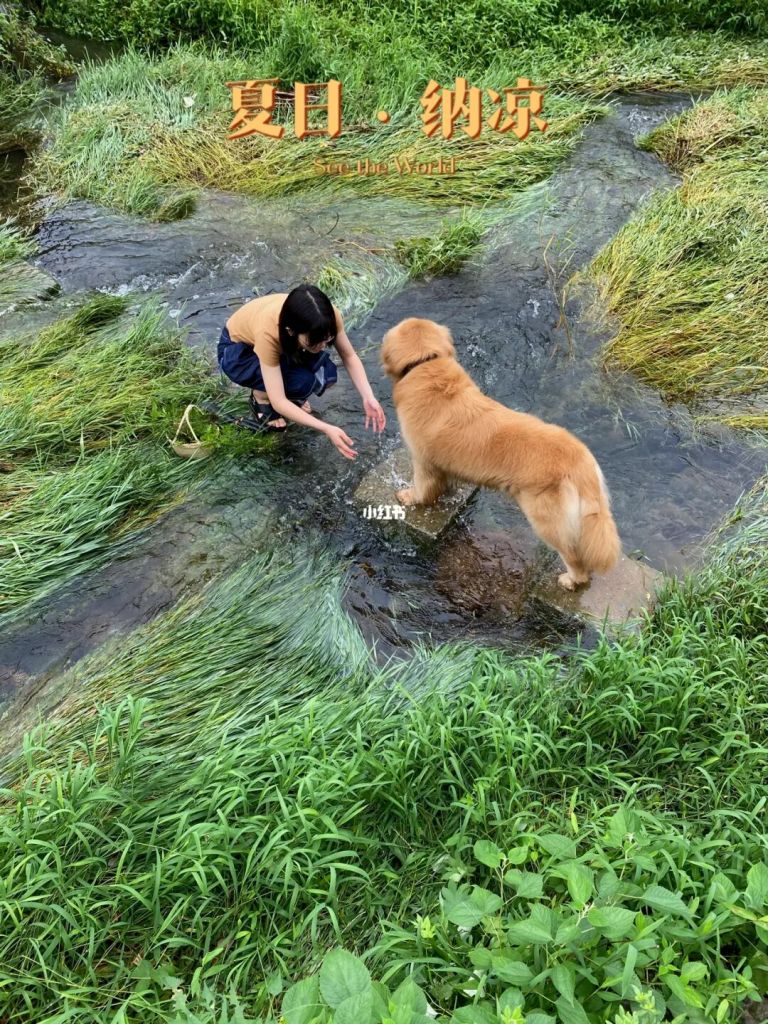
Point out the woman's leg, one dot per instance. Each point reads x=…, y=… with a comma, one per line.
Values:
x=298, y=382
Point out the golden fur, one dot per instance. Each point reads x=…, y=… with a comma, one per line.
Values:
x=455, y=431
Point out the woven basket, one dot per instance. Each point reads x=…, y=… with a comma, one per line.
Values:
x=195, y=449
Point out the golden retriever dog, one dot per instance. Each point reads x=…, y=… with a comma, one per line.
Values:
x=455, y=432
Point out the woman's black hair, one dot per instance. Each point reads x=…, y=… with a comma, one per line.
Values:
x=306, y=310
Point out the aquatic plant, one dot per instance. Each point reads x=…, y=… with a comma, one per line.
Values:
x=232, y=789
x=21, y=283
x=686, y=277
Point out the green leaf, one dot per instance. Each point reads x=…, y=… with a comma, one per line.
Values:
x=341, y=976
x=510, y=999
x=467, y=911
x=724, y=889
x=581, y=882
x=561, y=847
x=356, y=1009
x=537, y=1017
x=528, y=885
x=618, y=827
x=563, y=980
x=301, y=1003
x=571, y=1013
x=757, y=886
x=693, y=971
x=517, y=855
x=683, y=992
x=608, y=885
x=275, y=983
x=628, y=974
x=480, y=1014
x=529, y=932
x=488, y=853
x=408, y=995
x=381, y=999
x=568, y=931
x=481, y=958
x=506, y=968
x=616, y=922
x=667, y=902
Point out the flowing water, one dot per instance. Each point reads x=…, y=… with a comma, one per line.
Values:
x=517, y=332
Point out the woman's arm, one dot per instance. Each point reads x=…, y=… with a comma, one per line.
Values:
x=353, y=365
x=273, y=385
x=374, y=414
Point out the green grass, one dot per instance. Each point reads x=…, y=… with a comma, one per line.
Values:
x=474, y=29
x=24, y=51
x=234, y=787
x=25, y=60
x=128, y=140
x=17, y=103
x=446, y=252
x=144, y=132
x=685, y=277
x=21, y=284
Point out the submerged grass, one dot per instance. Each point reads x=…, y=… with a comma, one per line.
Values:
x=21, y=283
x=254, y=789
x=686, y=277
x=86, y=409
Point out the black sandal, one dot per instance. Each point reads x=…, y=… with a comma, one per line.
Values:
x=264, y=413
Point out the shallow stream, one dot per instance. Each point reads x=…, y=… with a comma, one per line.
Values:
x=517, y=331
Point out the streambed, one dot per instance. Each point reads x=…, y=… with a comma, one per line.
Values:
x=524, y=341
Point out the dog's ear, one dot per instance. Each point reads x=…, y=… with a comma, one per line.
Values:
x=387, y=351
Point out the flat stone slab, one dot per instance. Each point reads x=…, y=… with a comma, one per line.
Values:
x=615, y=599
x=376, y=495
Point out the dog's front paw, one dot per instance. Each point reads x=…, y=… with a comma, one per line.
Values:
x=405, y=497
x=566, y=581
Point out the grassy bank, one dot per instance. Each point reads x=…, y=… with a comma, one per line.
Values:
x=159, y=125
x=686, y=277
x=144, y=131
x=26, y=60
x=475, y=30
x=252, y=792
x=85, y=407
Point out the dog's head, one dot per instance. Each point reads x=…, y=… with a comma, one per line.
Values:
x=413, y=341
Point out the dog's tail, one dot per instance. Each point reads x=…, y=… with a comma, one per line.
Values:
x=598, y=547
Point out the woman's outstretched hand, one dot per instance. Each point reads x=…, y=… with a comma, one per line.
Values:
x=341, y=441
x=374, y=415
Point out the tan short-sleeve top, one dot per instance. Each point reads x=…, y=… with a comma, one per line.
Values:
x=257, y=324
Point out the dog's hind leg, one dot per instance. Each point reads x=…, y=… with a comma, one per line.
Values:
x=555, y=517
x=429, y=483
x=574, y=574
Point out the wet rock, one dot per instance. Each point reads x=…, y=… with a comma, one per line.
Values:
x=375, y=494
x=613, y=600
x=487, y=573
